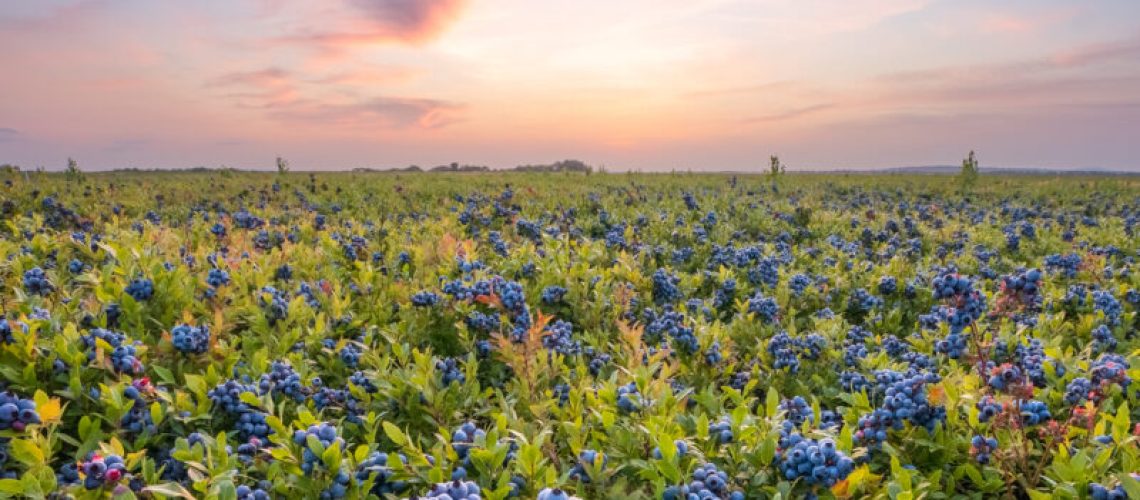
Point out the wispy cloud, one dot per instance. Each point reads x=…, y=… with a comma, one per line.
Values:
x=743, y=90
x=789, y=114
x=260, y=78
x=373, y=113
x=8, y=134
x=300, y=99
x=1018, y=23
x=1128, y=48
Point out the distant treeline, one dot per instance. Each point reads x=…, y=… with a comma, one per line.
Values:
x=558, y=166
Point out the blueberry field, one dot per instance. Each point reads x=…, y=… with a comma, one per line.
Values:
x=552, y=336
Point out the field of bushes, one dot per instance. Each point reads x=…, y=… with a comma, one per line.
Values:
x=557, y=335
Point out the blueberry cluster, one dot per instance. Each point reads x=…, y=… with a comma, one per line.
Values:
x=1067, y=265
x=1100, y=492
x=1031, y=358
x=988, y=408
x=784, y=351
x=275, y=304
x=359, y=379
x=140, y=289
x=706, y=483
x=598, y=361
x=190, y=339
x=721, y=431
x=462, y=439
x=713, y=354
x=628, y=398
x=1034, y=412
x=325, y=433
x=99, y=471
x=454, y=490
x=587, y=458
x=904, y=400
x=558, y=337
x=766, y=272
x=1024, y=287
x=245, y=492
x=217, y=278
x=226, y=397
x=815, y=462
x=338, y=488
x=552, y=494
x=888, y=285
x=861, y=302
x=17, y=413
x=1078, y=391
x=853, y=353
x=425, y=299
x=725, y=295
x=283, y=380
x=665, y=289
x=36, y=282
x=137, y=420
x=966, y=304
x=482, y=322
x=123, y=354
x=797, y=410
x=669, y=325
x=1005, y=376
x=450, y=372
x=1110, y=369
x=852, y=381
x=252, y=425
x=553, y=294
x=1107, y=304
x=375, y=467
x=764, y=308
x=350, y=355
x=798, y=283
x=981, y=448
x=1103, y=339
x=6, y=336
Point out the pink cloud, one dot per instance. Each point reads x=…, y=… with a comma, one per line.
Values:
x=1119, y=49
x=409, y=22
x=412, y=21
x=1022, y=24
x=377, y=112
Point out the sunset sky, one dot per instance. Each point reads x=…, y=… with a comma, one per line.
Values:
x=629, y=84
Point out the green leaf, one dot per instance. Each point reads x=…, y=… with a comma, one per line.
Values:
x=164, y=374
x=1121, y=424
x=772, y=404
x=250, y=398
x=156, y=413
x=13, y=486
x=27, y=452
x=1130, y=485
x=332, y=457
x=173, y=490
x=394, y=433
x=315, y=445
x=767, y=450
x=225, y=490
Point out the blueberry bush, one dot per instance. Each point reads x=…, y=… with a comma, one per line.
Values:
x=378, y=335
